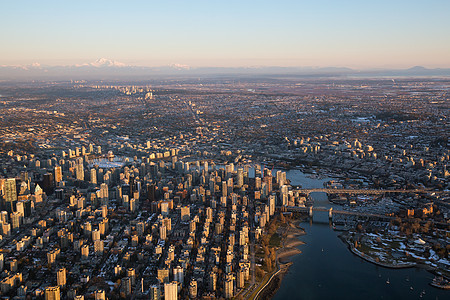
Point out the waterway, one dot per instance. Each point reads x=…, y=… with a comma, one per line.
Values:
x=326, y=269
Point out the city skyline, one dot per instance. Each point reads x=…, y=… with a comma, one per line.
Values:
x=232, y=34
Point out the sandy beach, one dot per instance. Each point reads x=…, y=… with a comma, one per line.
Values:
x=285, y=254
x=290, y=243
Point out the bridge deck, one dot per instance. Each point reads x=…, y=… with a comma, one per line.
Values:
x=334, y=211
x=364, y=191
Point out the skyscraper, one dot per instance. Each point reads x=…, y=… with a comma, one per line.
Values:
x=240, y=177
x=93, y=176
x=185, y=213
x=228, y=287
x=178, y=274
x=79, y=169
x=58, y=174
x=61, y=277
x=155, y=292
x=52, y=293
x=171, y=291
x=126, y=286
x=193, y=289
x=272, y=199
x=10, y=193
x=104, y=194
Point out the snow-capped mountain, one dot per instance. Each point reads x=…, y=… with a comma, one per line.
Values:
x=103, y=62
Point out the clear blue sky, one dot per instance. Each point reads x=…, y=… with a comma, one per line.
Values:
x=359, y=34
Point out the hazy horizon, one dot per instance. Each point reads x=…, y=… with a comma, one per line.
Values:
x=352, y=34
x=105, y=62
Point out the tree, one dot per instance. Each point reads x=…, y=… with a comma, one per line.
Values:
x=273, y=255
x=359, y=228
x=282, y=218
x=268, y=263
x=265, y=240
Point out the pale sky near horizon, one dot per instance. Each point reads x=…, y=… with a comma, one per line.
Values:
x=344, y=33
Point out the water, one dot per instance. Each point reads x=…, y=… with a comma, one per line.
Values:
x=326, y=269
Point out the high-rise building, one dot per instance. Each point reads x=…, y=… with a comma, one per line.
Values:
x=131, y=273
x=163, y=232
x=61, y=277
x=229, y=287
x=212, y=282
x=52, y=293
x=185, y=213
x=281, y=178
x=58, y=174
x=209, y=214
x=104, y=211
x=132, y=205
x=20, y=207
x=126, y=286
x=178, y=274
x=272, y=199
x=224, y=188
x=16, y=220
x=104, y=194
x=48, y=183
x=193, y=289
x=10, y=193
x=171, y=291
x=140, y=228
x=98, y=247
x=85, y=251
x=79, y=169
x=268, y=181
x=93, y=176
x=95, y=235
x=240, y=177
x=240, y=282
x=163, y=275
x=155, y=292
x=100, y=295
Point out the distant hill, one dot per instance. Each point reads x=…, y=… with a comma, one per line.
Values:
x=110, y=70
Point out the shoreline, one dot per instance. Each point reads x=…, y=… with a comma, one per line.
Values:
x=371, y=260
x=284, y=255
x=395, y=267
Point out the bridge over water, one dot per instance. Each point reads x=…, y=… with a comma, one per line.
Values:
x=364, y=191
x=331, y=211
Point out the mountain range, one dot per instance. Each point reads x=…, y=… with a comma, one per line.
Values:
x=105, y=69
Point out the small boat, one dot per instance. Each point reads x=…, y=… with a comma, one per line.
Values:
x=441, y=283
x=387, y=281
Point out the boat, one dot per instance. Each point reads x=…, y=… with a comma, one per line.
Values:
x=440, y=283
x=387, y=281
